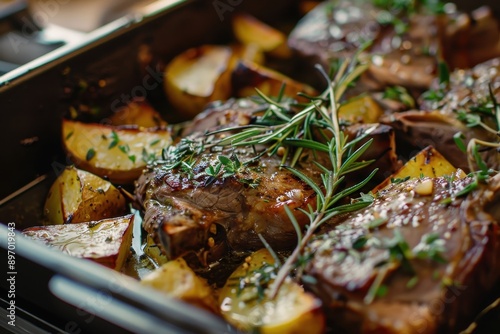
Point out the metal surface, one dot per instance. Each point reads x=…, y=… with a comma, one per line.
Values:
x=81, y=296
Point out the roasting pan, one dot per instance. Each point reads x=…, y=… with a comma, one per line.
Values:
x=55, y=293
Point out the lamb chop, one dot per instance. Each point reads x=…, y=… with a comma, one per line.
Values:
x=197, y=212
x=188, y=210
x=418, y=260
x=451, y=107
x=405, y=42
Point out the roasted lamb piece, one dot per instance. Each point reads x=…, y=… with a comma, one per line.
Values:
x=411, y=262
x=405, y=48
x=471, y=92
x=191, y=211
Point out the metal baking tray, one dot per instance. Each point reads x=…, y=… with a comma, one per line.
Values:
x=54, y=292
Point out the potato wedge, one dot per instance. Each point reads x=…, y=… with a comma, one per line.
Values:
x=198, y=76
x=362, y=109
x=249, y=30
x=248, y=52
x=243, y=305
x=202, y=75
x=178, y=280
x=117, y=153
x=79, y=196
x=138, y=113
x=248, y=75
x=427, y=163
x=106, y=241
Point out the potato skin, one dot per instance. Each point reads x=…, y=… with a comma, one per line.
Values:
x=79, y=196
x=139, y=113
x=105, y=241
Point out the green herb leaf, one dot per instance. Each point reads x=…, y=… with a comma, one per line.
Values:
x=90, y=154
x=377, y=222
x=459, y=138
x=114, y=141
x=382, y=291
x=154, y=142
x=124, y=148
x=399, y=180
x=412, y=282
x=444, y=73
x=360, y=242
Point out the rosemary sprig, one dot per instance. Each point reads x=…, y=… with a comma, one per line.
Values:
x=343, y=159
x=287, y=132
x=290, y=133
x=293, y=130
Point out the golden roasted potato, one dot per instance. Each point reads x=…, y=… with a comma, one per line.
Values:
x=105, y=241
x=202, y=75
x=154, y=252
x=248, y=75
x=362, y=109
x=117, y=153
x=248, y=52
x=248, y=307
x=249, y=30
x=427, y=163
x=178, y=280
x=79, y=196
x=138, y=113
x=198, y=76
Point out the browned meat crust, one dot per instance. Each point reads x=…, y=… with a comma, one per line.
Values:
x=438, y=121
x=193, y=212
x=404, y=54
x=436, y=263
x=183, y=211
